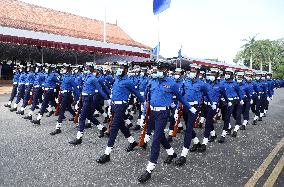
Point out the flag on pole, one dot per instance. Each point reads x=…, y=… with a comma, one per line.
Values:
x=179, y=57
x=160, y=5
x=156, y=50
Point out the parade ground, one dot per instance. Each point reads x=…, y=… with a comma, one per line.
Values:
x=29, y=156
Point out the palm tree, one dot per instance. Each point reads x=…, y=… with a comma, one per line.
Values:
x=248, y=48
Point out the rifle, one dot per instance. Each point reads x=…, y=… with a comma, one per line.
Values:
x=58, y=104
x=177, y=121
x=144, y=130
x=76, y=118
x=109, y=125
x=31, y=98
x=196, y=124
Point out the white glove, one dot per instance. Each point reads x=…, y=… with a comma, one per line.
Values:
x=242, y=102
x=108, y=102
x=268, y=98
x=193, y=110
x=214, y=107
x=258, y=97
x=230, y=104
x=76, y=107
x=176, y=115
x=271, y=98
x=109, y=111
x=173, y=105
x=54, y=90
x=31, y=93
x=56, y=100
x=251, y=101
x=142, y=121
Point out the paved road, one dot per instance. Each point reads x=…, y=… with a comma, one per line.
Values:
x=29, y=156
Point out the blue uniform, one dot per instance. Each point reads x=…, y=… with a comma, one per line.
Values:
x=29, y=85
x=15, y=86
x=21, y=87
x=38, y=91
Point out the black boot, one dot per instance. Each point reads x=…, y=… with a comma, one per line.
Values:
x=13, y=109
x=144, y=177
x=20, y=112
x=243, y=127
x=105, y=120
x=229, y=131
x=137, y=127
x=260, y=119
x=170, y=158
x=96, y=115
x=195, y=147
x=129, y=125
x=221, y=140
x=88, y=125
x=131, y=146
x=235, y=133
x=37, y=122
x=103, y=159
x=7, y=105
x=145, y=145
x=180, y=161
x=170, y=138
x=76, y=141
x=179, y=129
x=254, y=122
x=29, y=117
x=50, y=114
x=212, y=138
x=264, y=115
x=57, y=131
x=102, y=132
x=202, y=148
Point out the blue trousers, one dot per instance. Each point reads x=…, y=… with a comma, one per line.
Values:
x=263, y=103
x=27, y=95
x=49, y=97
x=189, y=119
x=246, y=108
x=237, y=111
x=14, y=92
x=87, y=112
x=209, y=115
x=255, y=107
x=159, y=120
x=21, y=93
x=66, y=103
x=37, y=97
x=228, y=110
x=118, y=112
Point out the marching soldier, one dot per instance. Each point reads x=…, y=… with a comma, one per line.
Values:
x=16, y=77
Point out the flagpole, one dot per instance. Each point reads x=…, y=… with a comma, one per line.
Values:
x=158, y=51
x=105, y=26
x=181, y=56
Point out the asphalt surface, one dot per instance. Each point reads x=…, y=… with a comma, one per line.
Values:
x=29, y=156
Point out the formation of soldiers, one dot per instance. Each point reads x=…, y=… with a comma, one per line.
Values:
x=155, y=96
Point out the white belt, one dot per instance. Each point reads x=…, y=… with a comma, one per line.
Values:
x=223, y=99
x=15, y=83
x=157, y=109
x=65, y=91
x=119, y=102
x=48, y=88
x=21, y=83
x=208, y=103
x=193, y=103
x=78, y=86
x=261, y=92
x=96, y=91
x=37, y=86
x=86, y=94
x=231, y=99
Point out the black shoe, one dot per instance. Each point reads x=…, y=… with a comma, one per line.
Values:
x=180, y=161
x=50, y=114
x=202, y=148
x=229, y=131
x=243, y=127
x=170, y=158
x=88, y=125
x=13, y=109
x=254, y=122
x=7, y=105
x=129, y=125
x=144, y=177
x=212, y=138
x=195, y=147
x=105, y=120
x=20, y=112
x=71, y=119
x=102, y=132
x=96, y=115
x=170, y=138
x=221, y=140
x=179, y=129
x=76, y=141
x=234, y=134
x=131, y=146
x=29, y=117
x=37, y=122
x=103, y=159
x=264, y=115
x=260, y=119
x=107, y=134
x=200, y=125
x=57, y=131
x=137, y=127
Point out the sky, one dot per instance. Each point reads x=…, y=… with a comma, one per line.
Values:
x=204, y=28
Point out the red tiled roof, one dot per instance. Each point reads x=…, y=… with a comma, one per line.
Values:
x=20, y=15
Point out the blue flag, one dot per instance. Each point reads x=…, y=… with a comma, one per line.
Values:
x=156, y=50
x=160, y=5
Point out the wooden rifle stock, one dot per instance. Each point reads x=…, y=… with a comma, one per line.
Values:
x=31, y=98
x=144, y=130
x=196, y=124
x=58, y=104
x=177, y=121
x=76, y=118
